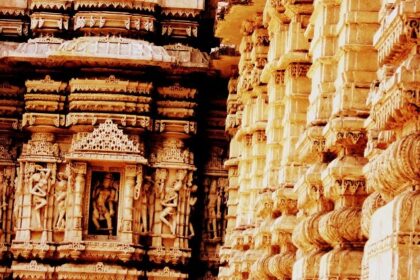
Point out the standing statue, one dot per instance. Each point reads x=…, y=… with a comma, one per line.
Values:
x=146, y=204
x=61, y=201
x=170, y=200
x=38, y=187
x=213, y=209
x=192, y=202
x=104, y=197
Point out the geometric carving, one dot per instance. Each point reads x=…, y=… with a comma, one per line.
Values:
x=106, y=142
x=106, y=138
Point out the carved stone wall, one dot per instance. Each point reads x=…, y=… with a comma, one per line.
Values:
x=101, y=103
x=341, y=149
x=115, y=161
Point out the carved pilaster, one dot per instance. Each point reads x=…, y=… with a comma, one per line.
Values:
x=127, y=222
x=75, y=233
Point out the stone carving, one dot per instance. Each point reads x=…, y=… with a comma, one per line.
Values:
x=41, y=145
x=147, y=204
x=39, y=188
x=107, y=138
x=60, y=201
x=170, y=201
x=214, y=214
x=173, y=151
x=322, y=179
x=7, y=183
x=191, y=203
x=104, y=198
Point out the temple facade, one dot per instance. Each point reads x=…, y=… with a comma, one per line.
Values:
x=112, y=140
x=192, y=139
x=324, y=161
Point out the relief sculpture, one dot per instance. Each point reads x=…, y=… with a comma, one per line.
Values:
x=39, y=188
x=60, y=201
x=170, y=201
x=104, y=199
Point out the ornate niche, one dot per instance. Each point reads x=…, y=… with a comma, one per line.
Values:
x=174, y=199
x=105, y=187
x=107, y=177
x=38, y=166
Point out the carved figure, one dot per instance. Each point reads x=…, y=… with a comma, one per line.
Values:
x=192, y=202
x=38, y=187
x=170, y=200
x=146, y=204
x=61, y=201
x=213, y=209
x=104, y=197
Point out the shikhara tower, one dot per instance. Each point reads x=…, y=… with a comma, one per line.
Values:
x=180, y=139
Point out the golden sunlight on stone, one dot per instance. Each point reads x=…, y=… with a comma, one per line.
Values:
x=218, y=139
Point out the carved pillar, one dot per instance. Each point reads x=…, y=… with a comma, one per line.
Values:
x=79, y=170
x=344, y=183
x=281, y=264
x=127, y=214
x=35, y=195
x=262, y=241
x=175, y=197
x=227, y=250
x=345, y=139
x=19, y=198
x=312, y=203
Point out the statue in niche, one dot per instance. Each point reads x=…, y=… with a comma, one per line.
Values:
x=192, y=202
x=213, y=209
x=170, y=200
x=146, y=204
x=39, y=188
x=61, y=201
x=104, y=198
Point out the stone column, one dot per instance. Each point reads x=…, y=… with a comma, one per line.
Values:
x=127, y=213
x=79, y=189
x=19, y=206
x=345, y=139
x=281, y=264
x=312, y=203
x=392, y=174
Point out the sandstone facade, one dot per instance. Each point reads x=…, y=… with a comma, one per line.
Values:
x=324, y=125
x=127, y=153
x=112, y=140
